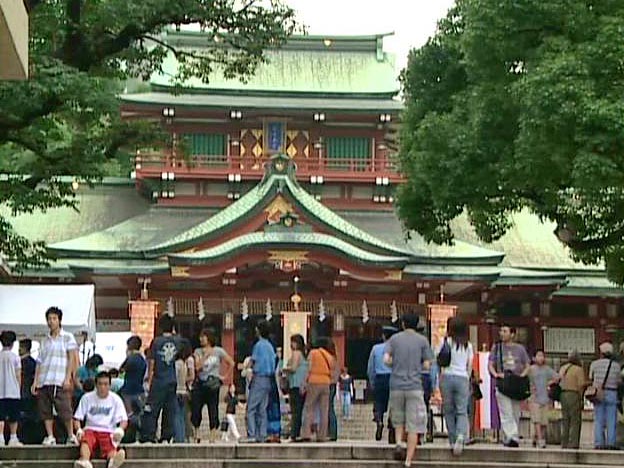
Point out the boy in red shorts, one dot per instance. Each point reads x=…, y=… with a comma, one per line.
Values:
x=105, y=419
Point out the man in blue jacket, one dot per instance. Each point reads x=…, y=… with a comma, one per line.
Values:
x=379, y=381
x=263, y=373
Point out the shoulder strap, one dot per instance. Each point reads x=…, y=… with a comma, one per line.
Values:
x=604, y=381
x=329, y=366
x=500, y=356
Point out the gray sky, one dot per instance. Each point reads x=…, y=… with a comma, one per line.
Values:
x=412, y=21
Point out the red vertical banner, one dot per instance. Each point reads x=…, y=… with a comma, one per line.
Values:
x=438, y=316
x=228, y=343
x=143, y=319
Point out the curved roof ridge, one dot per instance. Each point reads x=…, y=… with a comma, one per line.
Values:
x=281, y=238
x=335, y=221
x=222, y=218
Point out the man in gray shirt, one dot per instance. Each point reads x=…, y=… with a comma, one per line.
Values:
x=408, y=353
x=605, y=375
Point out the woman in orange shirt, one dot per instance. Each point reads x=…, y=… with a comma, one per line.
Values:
x=321, y=366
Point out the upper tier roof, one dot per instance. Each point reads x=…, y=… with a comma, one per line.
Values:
x=318, y=65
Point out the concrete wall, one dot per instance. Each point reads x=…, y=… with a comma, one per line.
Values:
x=13, y=40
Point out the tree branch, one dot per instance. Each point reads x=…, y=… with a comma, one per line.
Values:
x=131, y=33
x=614, y=238
x=176, y=52
x=47, y=106
x=31, y=5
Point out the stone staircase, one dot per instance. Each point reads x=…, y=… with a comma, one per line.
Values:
x=359, y=427
x=336, y=455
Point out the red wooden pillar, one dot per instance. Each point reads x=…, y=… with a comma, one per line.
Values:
x=339, y=341
x=339, y=338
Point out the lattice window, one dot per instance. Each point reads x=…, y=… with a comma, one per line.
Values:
x=348, y=147
x=206, y=144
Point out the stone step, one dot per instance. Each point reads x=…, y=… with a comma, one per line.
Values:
x=269, y=463
x=298, y=455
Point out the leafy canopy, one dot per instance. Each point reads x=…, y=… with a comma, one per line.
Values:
x=517, y=104
x=65, y=119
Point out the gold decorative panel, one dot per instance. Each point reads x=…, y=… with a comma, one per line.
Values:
x=278, y=207
x=251, y=143
x=297, y=143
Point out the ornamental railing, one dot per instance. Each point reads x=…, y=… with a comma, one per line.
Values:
x=155, y=161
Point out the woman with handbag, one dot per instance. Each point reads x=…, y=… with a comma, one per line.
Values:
x=208, y=361
x=572, y=385
x=604, y=374
x=320, y=371
x=455, y=382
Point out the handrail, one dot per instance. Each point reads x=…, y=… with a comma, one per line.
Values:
x=250, y=164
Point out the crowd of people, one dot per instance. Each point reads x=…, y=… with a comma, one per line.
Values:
x=170, y=384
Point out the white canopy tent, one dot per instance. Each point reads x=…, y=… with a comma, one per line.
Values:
x=23, y=306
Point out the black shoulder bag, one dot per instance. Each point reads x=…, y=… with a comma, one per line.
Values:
x=444, y=356
x=511, y=385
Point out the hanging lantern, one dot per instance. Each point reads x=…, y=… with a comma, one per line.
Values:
x=201, y=312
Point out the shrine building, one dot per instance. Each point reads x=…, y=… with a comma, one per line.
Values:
x=276, y=195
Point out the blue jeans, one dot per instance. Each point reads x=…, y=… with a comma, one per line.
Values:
x=605, y=419
x=257, y=403
x=455, y=394
x=346, y=404
x=179, y=423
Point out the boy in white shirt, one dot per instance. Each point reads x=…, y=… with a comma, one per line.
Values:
x=10, y=383
x=105, y=418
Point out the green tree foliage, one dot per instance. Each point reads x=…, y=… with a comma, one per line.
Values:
x=65, y=119
x=517, y=104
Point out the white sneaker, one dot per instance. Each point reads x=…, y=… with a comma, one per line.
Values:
x=1, y=441
x=14, y=442
x=118, y=459
x=49, y=440
x=82, y=464
x=458, y=446
x=73, y=440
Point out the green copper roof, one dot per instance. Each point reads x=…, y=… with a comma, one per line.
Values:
x=258, y=198
x=452, y=272
x=590, y=285
x=98, y=209
x=530, y=243
x=517, y=276
x=387, y=226
x=267, y=240
x=139, y=238
x=118, y=267
x=307, y=66
x=142, y=232
x=281, y=103
x=500, y=276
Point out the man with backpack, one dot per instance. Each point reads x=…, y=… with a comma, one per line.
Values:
x=509, y=365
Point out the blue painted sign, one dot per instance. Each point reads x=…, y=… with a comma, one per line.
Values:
x=275, y=137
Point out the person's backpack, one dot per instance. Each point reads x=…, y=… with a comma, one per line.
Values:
x=444, y=356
